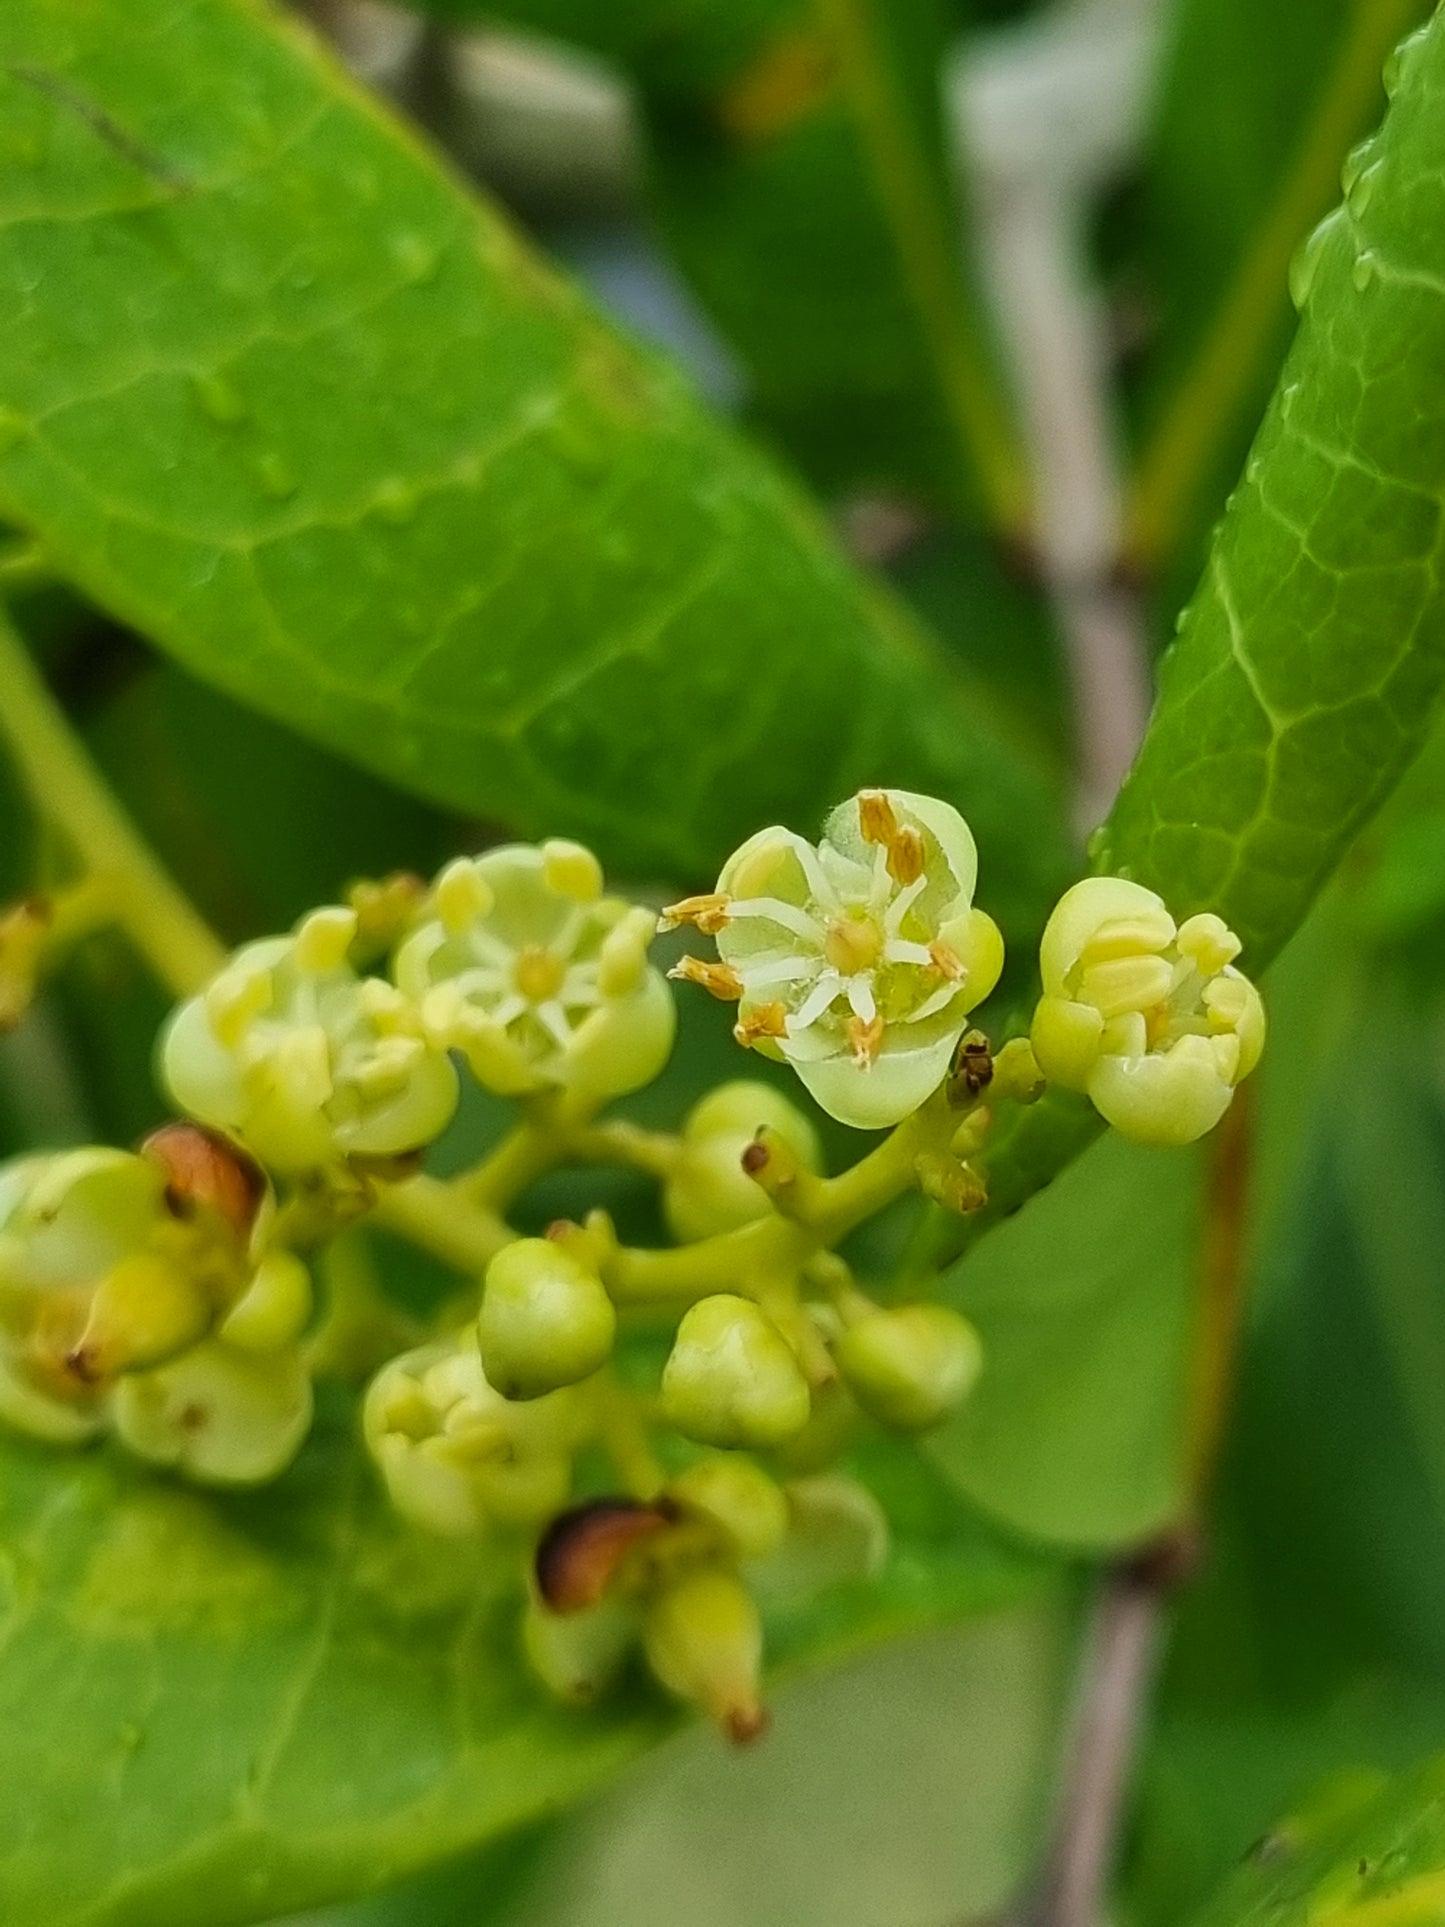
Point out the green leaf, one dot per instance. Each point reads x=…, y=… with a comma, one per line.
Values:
x=276, y=392
x=218, y=1709
x=797, y=167
x=1256, y=110
x=1085, y=1304
x=1309, y=663
x=1363, y=1855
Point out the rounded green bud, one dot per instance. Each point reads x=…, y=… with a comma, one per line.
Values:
x=736, y=1495
x=546, y=1320
x=704, y=1642
x=731, y=1378
x=455, y=1455
x=274, y=1309
x=910, y=1367
x=577, y=1656
x=218, y=1415
x=708, y=1190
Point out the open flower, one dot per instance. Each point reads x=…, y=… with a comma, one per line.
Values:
x=858, y=960
x=1151, y=1019
x=536, y=977
x=303, y=1060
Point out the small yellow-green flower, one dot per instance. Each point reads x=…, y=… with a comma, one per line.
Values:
x=858, y=960
x=456, y=1456
x=303, y=1060
x=536, y=977
x=1150, y=1018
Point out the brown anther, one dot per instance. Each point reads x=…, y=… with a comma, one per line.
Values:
x=562, y=1231
x=578, y=1555
x=707, y=913
x=877, y=822
x=763, y=1020
x=946, y=960
x=905, y=855
x=205, y=1169
x=972, y=1070
x=720, y=980
x=865, y=1038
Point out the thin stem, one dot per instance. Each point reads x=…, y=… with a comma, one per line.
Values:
x=431, y=1215
x=916, y=210
x=736, y=1260
x=624, y=1439
x=1115, y=1675
x=1120, y=1651
x=68, y=788
x=557, y=1133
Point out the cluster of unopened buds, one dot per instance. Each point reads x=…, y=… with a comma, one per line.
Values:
x=165, y=1297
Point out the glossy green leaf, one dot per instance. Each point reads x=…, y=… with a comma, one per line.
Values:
x=218, y=1709
x=278, y=393
x=1308, y=669
x=1256, y=109
x=796, y=164
x=1309, y=664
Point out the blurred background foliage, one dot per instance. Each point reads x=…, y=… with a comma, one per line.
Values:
x=718, y=189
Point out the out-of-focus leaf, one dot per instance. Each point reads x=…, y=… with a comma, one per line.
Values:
x=797, y=168
x=900, y=1788
x=1366, y=1855
x=1085, y=1304
x=218, y=1709
x=280, y=395
x=1256, y=110
x=1313, y=1647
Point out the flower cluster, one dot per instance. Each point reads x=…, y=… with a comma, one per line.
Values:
x=164, y=1297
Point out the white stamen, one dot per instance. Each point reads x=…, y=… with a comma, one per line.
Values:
x=902, y=904
x=828, y=987
x=786, y=915
x=860, y=996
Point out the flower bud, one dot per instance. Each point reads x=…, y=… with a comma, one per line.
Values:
x=910, y=1366
x=217, y=1415
x=456, y=1456
x=546, y=1319
x=577, y=1656
x=105, y=1268
x=704, y=1642
x=273, y=1310
x=537, y=978
x=582, y=1551
x=731, y=1378
x=837, y=1534
x=303, y=1060
x=708, y=1191
x=144, y=1310
x=737, y=1496
x=857, y=960
x=1152, y=1021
